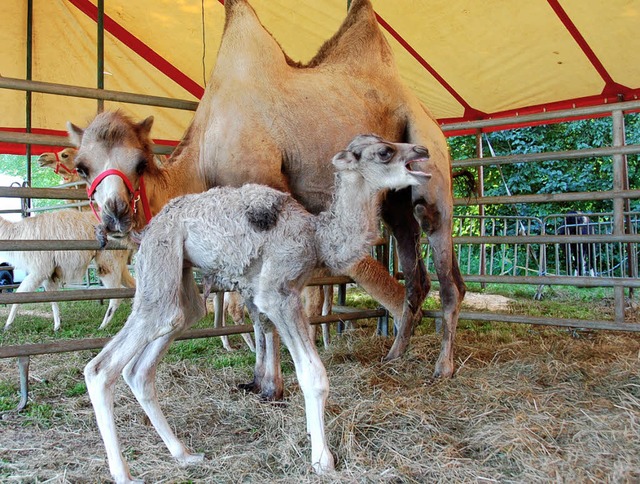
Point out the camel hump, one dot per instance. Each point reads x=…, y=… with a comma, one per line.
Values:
x=358, y=41
x=245, y=41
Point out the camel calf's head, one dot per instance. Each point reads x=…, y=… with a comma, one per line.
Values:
x=383, y=164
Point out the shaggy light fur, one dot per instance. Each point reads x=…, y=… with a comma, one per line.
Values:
x=52, y=269
x=257, y=241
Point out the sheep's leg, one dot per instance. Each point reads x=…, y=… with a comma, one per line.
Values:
x=267, y=375
x=114, y=274
x=220, y=316
x=51, y=285
x=29, y=284
x=288, y=315
x=236, y=311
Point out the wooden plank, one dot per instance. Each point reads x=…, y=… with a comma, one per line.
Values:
x=65, y=346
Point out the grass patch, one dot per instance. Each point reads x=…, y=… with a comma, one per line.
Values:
x=76, y=390
x=8, y=396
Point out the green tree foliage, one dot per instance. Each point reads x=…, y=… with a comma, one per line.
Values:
x=40, y=177
x=558, y=176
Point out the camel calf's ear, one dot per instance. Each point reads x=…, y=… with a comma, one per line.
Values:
x=344, y=160
x=75, y=133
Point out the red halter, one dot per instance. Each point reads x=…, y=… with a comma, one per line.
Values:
x=60, y=165
x=136, y=195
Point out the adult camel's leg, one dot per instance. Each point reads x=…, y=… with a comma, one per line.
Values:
x=374, y=278
x=398, y=215
x=438, y=226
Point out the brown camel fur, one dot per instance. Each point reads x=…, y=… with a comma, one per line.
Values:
x=266, y=119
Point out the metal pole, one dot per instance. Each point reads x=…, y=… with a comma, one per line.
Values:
x=29, y=75
x=100, y=54
x=544, y=116
x=483, y=247
x=618, y=205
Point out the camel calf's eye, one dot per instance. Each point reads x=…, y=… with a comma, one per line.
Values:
x=386, y=153
x=64, y=155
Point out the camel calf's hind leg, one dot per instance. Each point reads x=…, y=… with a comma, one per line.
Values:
x=136, y=351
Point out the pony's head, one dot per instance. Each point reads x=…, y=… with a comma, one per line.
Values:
x=114, y=154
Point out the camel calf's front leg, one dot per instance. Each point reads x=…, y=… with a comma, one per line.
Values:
x=288, y=316
x=267, y=375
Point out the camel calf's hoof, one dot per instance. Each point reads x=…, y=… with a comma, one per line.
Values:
x=324, y=464
x=190, y=459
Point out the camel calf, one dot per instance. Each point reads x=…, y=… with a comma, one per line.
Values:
x=262, y=243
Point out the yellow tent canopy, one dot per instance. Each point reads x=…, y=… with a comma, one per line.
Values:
x=465, y=59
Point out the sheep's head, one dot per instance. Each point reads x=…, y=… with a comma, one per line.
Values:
x=383, y=164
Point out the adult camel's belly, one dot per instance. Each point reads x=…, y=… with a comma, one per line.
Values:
x=286, y=136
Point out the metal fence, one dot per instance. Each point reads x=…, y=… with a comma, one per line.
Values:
x=514, y=250
x=520, y=258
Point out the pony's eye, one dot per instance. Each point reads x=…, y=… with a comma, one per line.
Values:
x=141, y=166
x=82, y=171
x=64, y=155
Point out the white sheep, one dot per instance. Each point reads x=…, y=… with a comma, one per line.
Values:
x=51, y=269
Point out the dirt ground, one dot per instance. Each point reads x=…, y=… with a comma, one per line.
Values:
x=525, y=405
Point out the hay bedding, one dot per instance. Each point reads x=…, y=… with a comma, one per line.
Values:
x=541, y=406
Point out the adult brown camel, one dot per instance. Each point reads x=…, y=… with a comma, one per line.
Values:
x=267, y=119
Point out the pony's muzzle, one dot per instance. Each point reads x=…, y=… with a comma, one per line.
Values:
x=117, y=216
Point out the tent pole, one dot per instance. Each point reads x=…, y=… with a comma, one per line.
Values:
x=100, y=53
x=28, y=94
x=480, y=194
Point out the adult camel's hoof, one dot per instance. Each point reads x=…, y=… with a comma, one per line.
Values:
x=444, y=368
x=266, y=395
